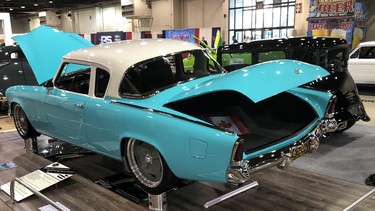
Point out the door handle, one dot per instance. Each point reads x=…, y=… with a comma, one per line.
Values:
x=78, y=105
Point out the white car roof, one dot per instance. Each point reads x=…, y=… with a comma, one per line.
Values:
x=369, y=43
x=117, y=57
x=121, y=55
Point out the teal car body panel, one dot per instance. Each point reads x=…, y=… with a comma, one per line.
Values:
x=271, y=79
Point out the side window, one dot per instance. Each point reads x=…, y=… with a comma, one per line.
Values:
x=302, y=54
x=355, y=54
x=271, y=55
x=337, y=58
x=74, y=77
x=194, y=63
x=150, y=76
x=101, y=82
x=367, y=53
x=17, y=55
x=233, y=61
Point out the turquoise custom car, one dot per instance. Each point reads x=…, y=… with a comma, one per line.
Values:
x=134, y=101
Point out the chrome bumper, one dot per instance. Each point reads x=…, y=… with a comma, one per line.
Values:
x=239, y=172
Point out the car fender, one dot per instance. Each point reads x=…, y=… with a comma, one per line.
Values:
x=205, y=158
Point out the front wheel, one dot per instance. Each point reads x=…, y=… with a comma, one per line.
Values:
x=149, y=168
x=22, y=124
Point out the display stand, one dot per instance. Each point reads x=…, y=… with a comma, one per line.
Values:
x=230, y=194
x=157, y=202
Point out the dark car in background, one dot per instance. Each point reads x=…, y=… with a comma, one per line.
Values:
x=14, y=70
x=329, y=53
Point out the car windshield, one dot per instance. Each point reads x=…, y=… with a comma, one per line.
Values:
x=153, y=75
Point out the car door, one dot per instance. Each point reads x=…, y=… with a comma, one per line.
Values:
x=64, y=104
x=361, y=65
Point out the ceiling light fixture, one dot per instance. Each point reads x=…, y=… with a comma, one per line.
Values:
x=51, y=2
x=35, y=5
x=22, y=7
x=11, y=9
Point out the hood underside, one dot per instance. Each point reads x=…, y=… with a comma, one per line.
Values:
x=44, y=48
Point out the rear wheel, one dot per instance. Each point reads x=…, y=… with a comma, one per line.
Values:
x=22, y=124
x=149, y=168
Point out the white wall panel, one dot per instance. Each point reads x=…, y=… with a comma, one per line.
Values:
x=162, y=15
x=85, y=21
x=370, y=34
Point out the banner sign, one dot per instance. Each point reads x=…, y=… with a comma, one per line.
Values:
x=104, y=37
x=331, y=8
x=340, y=28
x=183, y=34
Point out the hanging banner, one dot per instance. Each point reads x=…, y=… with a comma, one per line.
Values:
x=361, y=11
x=331, y=8
x=183, y=34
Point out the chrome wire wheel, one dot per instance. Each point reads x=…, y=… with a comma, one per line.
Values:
x=20, y=121
x=145, y=162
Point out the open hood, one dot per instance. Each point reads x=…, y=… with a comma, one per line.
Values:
x=260, y=81
x=44, y=48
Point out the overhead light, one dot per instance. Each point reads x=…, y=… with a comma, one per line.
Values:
x=51, y=2
x=35, y=5
x=11, y=9
x=22, y=7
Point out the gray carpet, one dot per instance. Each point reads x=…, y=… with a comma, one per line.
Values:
x=349, y=156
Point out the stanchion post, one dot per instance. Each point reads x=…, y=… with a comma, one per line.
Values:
x=157, y=202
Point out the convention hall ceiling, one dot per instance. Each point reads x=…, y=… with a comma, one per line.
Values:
x=27, y=7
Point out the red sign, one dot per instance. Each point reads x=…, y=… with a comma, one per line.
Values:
x=331, y=8
x=336, y=6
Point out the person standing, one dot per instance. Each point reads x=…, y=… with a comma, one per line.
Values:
x=234, y=40
x=203, y=40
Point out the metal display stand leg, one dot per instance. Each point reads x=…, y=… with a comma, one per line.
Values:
x=31, y=144
x=157, y=202
x=34, y=144
x=360, y=199
x=230, y=194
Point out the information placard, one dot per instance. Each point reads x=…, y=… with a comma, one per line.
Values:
x=39, y=180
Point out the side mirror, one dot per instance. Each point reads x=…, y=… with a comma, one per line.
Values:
x=49, y=84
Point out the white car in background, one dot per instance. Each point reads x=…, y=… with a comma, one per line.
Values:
x=361, y=63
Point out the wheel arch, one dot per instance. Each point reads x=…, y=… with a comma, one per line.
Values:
x=145, y=139
x=12, y=104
